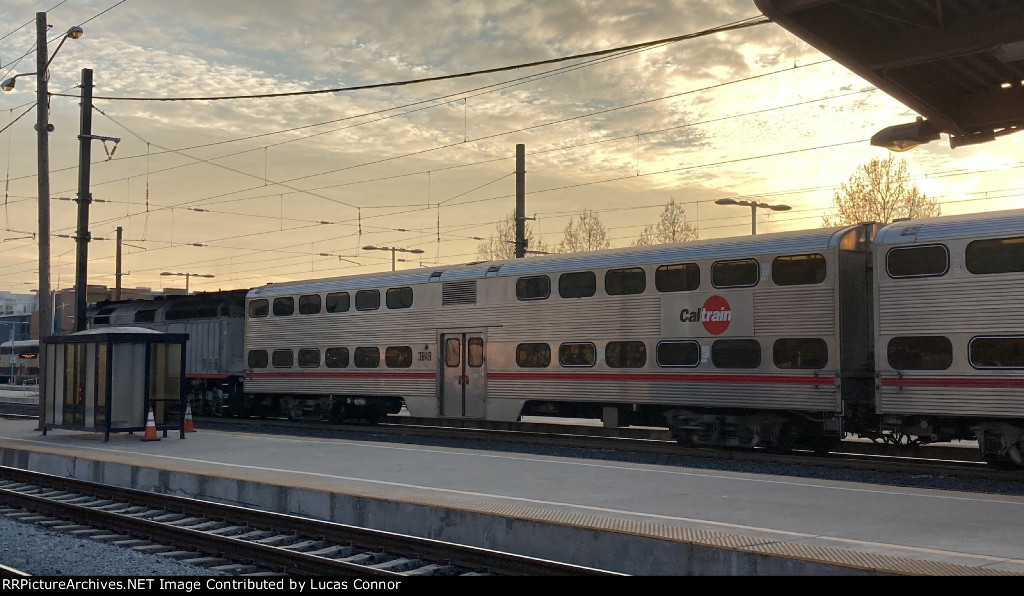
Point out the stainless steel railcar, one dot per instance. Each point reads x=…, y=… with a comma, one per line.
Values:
x=756, y=341
x=949, y=330
x=214, y=322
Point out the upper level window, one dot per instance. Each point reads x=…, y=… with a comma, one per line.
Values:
x=997, y=255
x=533, y=288
x=338, y=302
x=625, y=354
x=399, y=297
x=796, y=270
x=582, y=284
x=618, y=282
x=734, y=274
x=367, y=299
x=145, y=316
x=577, y=354
x=920, y=352
x=259, y=308
x=309, y=304
x=284, y=306
x=917, y=261
x=683, y=277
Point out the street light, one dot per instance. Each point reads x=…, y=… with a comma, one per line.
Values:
x=415, y=251
x=753, y=210
x=187, y=276
x=43, y=128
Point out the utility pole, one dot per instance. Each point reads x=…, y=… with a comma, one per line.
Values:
x=520, y=201
x=117, y=274
x=84, y=199
x=43, y=178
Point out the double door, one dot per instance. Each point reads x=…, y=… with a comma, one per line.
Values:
x=463, y=374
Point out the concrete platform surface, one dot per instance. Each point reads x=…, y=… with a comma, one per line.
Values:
x=633, y=518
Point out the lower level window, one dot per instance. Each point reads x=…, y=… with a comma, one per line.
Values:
x=920, y=352
x=257, y=359
x=533, y=355
x=997, y=352
x=367, y=357
x=577, y=354
x=282, y=359
x=736, y=353
x=625, y=354
x=398, y=357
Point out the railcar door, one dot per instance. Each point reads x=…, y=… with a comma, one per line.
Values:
x=463, y=386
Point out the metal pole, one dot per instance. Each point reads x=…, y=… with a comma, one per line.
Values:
x=43, y=178
x=753, y=220
x=117, y=275
x=84, y=199
x=186, y=283
x=520, y=201
x=392, y=259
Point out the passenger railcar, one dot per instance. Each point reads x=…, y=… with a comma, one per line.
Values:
x=739, y=341
x=949, y=330
x=19, y=362
x=214, y=322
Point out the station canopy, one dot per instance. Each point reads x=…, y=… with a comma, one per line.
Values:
x=957, y=63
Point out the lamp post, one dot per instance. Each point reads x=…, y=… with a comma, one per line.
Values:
x=43, y=128
x=753, y=210
x=187, y=276
x=415, y=251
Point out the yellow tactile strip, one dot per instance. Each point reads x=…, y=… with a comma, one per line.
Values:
x=704, y=538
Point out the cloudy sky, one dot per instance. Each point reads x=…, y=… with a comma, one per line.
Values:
x=266, y=189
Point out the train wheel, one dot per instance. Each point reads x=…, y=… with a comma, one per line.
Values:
x=1015, y=455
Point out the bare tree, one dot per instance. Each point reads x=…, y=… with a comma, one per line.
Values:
x=672, y=227
x=879, y=191
x=503, y=246
x=585, y=233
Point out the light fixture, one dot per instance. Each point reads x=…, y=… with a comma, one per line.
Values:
x=75, y=32
x=903, y=137
x=753, y=209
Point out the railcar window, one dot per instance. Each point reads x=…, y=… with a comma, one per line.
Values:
x=337, y=302
x=997, y=352
x=533, y=355
x=581, y=354
x=795, y=270
x=145, y=316
x=367, y=357
x=620, y=282
x=398, y=357
x=533, y=288
x=284, y=306
x=997, y=255
x=683, y=277
x=736, y=353
x=734, y=274
x=800, y=352
x=309, y=358
x=922, y=352
x=281, y=359
x=336, y=357
x=917, y=261
x=678, y=353
x=309, y=304
x=259, y=308
x=625, y=354
x=399, y=297
x=582, y=284
x=257, y=359
x=452, y=352
x=475, y=352
x=367, y=299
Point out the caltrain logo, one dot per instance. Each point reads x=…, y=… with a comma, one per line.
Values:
x=715, y=315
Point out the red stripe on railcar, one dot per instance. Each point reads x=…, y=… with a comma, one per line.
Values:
x=340, y=375
x=978, y=382
x=663, y=378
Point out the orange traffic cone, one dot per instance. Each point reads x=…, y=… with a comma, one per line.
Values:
x=188, y=419
x=150, y=428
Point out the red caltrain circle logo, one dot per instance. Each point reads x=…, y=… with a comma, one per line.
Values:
x=715, y=315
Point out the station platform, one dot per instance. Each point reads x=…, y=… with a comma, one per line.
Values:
x=639, y=519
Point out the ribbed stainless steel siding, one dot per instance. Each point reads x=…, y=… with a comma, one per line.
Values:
x=796, y=311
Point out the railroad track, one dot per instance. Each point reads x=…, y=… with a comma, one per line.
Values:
x=248, y=542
